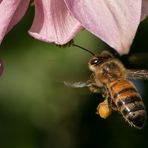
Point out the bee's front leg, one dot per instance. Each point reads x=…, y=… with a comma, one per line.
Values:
x=95, y=89
x=93, y=86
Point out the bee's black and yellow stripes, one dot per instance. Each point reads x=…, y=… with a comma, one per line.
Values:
x=128, y=101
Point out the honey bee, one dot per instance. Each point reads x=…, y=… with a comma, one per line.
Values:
x=112, y=79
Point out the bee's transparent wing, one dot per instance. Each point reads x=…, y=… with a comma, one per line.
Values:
x=137, y=74
x=79, y=84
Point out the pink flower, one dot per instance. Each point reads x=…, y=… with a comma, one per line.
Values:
x=58, y=21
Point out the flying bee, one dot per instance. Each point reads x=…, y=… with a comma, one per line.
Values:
x=112, y=79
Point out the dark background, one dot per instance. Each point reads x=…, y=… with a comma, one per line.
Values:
x=38, y=111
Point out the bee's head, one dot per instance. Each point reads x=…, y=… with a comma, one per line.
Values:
x=99, y=59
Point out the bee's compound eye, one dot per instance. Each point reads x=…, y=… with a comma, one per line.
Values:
x=94, y=61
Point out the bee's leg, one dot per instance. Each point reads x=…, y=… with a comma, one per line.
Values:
x=113, y=105
x=95, y=88
x=104, y=109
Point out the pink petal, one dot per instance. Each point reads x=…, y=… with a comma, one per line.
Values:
x=53, y=22
x=19, y=13
x=11, y=11
x=144, y=9
x=114, y=21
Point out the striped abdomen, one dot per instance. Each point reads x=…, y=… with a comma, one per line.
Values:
x=128, y=101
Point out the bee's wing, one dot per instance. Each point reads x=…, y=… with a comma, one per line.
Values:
x=137, y=74
x=79, y=84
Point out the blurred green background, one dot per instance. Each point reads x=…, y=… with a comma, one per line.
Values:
x=38, y=111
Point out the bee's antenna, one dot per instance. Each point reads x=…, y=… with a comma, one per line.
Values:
x=83, y=48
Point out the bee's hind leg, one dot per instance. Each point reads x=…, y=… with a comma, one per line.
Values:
x=104, y=109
